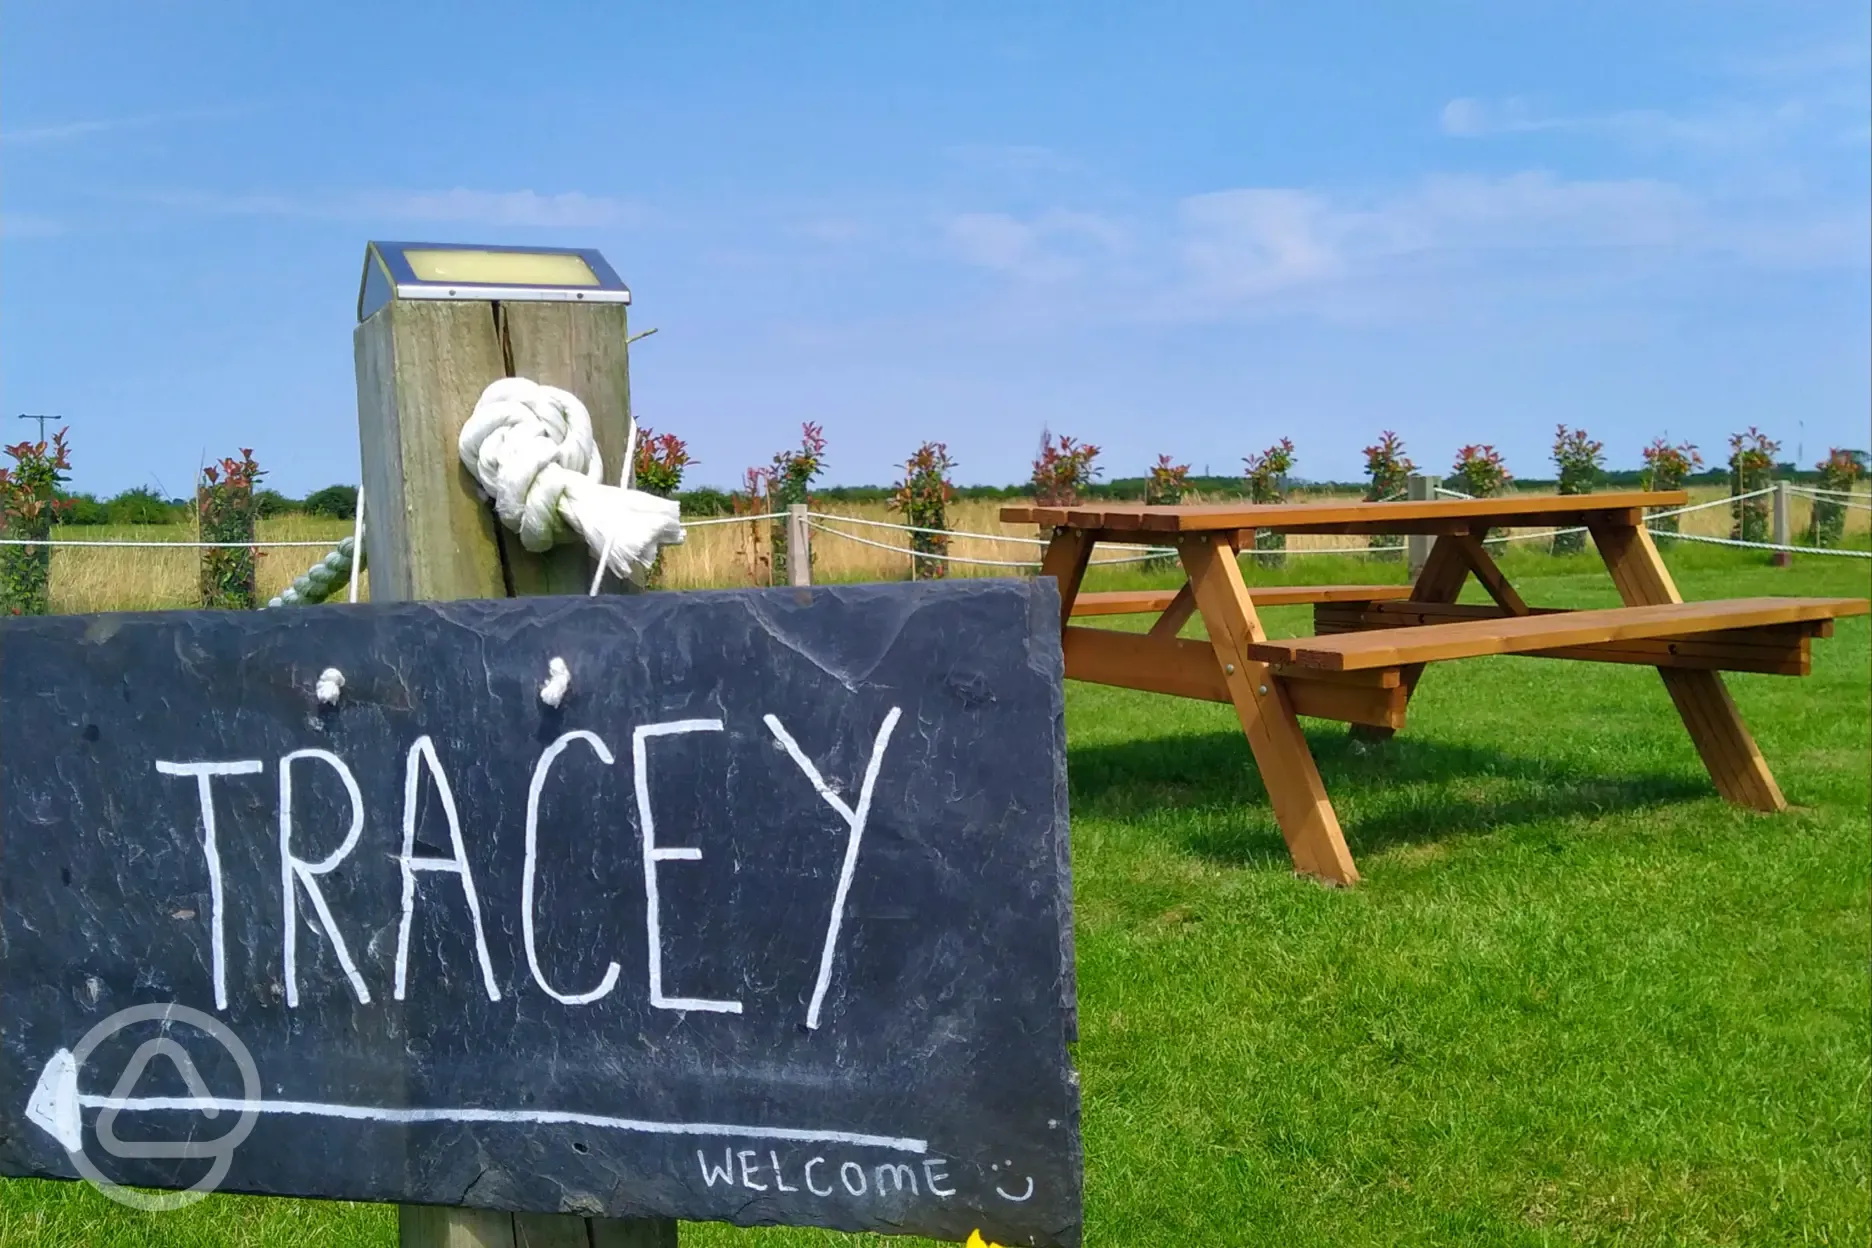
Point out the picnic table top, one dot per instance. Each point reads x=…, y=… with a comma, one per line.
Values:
x=1533, y=509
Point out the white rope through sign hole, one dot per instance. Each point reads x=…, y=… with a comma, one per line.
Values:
x=558, y=680
x=330, y=682
x=532, y=450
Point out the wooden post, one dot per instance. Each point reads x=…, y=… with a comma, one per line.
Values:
x=421, y=364
x=1419, y=488
x=799, y=546
x=1783, y=530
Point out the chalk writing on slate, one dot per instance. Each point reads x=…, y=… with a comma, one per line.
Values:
x=768, y=921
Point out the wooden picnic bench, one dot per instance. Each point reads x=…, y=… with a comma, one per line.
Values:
x=1373, y=642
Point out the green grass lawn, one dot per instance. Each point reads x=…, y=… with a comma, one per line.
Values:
x=1577, y=999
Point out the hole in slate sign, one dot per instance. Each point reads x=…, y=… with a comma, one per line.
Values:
x=65, y=876
x=90, y=732
x=580, y=1147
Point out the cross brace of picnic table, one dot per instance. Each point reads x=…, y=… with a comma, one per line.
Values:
x=1374, y=641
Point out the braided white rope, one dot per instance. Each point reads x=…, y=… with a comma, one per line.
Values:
x=531, y=449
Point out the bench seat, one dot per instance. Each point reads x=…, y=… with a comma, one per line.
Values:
x=1142, y=601
x=1533, y=633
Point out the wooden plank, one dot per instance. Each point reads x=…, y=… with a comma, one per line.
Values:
x=1188, y=669
x=1267, y=714
x=1065, y=561
x=1439, y=580
x=1709, y=714
x=1176, y=614
x=1370, y=678
x=1351, y=517
x=421, y=367
x=1520, y=634
x=1368, y=706
x=1141, y=601
x=1781, y=650
x=1124, y=602
x=1488, y=574
x=1105, y=656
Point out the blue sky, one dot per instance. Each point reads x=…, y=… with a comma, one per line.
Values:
x=1190, y=229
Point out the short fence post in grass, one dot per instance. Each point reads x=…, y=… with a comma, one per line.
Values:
x=432, y=334
x=1783, y=530
x=1419, y=488
x=799, y=546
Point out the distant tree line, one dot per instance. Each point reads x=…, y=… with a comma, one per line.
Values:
x=143, y=505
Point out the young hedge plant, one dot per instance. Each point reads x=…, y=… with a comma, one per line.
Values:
x=923, y=498
x=1387, y=472
x=1838, y=471
x=1265, y=478
x=1578, y=459
x=1751, y=468
x=1667, y=467
x=29, y=503
x=225, y=511
x=789, y=481
x=661, y=460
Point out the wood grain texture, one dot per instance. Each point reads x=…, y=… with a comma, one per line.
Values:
x=420, y=368
x=1267, y=715
x=1451, y=514
x=1461, y=639
x=1709, y=714
x=1065, y=561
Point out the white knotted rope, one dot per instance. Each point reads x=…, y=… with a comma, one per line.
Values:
x=531, y=449
x=330, y=683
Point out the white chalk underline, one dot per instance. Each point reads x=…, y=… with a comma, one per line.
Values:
x=549, y=1117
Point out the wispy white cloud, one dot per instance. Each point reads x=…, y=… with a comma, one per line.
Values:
x=1726, y=127
x=523, y=209
x=1051, y=247
x=1228, y=252
x=70, y=131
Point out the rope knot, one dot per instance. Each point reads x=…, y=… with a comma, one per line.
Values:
x=532, y=450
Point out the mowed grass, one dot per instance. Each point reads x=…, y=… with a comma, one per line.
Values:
x=1576, y=1000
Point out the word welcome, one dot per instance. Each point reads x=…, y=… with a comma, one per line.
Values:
x=301, y=875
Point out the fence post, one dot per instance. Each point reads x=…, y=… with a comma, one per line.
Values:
x=1419, y=488
x=799, y=546
x=1783, y=531
x=421, y=365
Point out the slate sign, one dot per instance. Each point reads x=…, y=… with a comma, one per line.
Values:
x=767, y=922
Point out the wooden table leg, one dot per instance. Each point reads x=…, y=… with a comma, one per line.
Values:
x=1301, y=807
x=1440, y=580
x=1065, y=561
x=1734, y=761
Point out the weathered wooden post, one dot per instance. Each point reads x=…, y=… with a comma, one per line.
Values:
x=799, y=546
x=436, y=324
x=1419, y=488
x=1783, y=530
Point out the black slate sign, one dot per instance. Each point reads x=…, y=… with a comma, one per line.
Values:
x=767, y=922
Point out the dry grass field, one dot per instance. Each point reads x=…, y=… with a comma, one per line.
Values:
x=715, y=555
